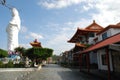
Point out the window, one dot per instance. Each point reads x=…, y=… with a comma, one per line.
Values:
x=104, y=62
x=104, y=36
x=91, y=35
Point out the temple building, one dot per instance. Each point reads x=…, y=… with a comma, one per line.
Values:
x=101, y=48
x=83, y=38
x=107, y=49
x=35, y=43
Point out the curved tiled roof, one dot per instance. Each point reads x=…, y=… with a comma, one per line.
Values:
x=94, y=27
x=35, y=43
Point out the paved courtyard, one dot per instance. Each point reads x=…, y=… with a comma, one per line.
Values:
x=48, y=72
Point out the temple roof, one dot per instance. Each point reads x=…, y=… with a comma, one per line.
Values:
x=94, y=27
x=108, y=27
x=118, y=23
x=35, y=43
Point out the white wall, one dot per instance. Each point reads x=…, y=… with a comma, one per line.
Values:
x=115, y=31
x=99, y=38
x=99, y=58
x=110, y=32
x=91, y=41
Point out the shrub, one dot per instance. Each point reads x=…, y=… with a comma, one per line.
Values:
x=20, y=65
x=1, y=64
x=3, y=53
x=9, y=64
x=64, y=63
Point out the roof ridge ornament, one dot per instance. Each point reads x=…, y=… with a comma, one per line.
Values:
x=93, y=21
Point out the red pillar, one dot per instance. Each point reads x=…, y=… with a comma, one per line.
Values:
x=88, y=62
x=108, y=63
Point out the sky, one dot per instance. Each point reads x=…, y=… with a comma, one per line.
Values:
x=54, y=22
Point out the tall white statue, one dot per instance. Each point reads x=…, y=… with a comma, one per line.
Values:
x=13, y=29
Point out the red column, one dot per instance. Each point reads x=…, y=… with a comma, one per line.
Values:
x=88, y=62
x=108, y=63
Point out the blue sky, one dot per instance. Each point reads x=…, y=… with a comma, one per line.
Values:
x=54, y=22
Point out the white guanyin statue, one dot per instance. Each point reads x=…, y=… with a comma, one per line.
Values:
x=12, y=30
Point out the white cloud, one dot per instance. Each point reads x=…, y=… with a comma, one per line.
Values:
x=59, y=42
x=25, y=45
x=81, y=23
x=27, y=37
x=59, y=3
x=35, y=35
x=108, y=12
x=23, y=29
x=88, y=6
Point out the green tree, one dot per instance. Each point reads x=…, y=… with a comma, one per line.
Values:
x=21, y=50
x=29, y=53
x=55, y=57
x=39, y=53
x=3, y=53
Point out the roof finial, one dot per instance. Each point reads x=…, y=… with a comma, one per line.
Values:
x=35, y=40
x=93, y=21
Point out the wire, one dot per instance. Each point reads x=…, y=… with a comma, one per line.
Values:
x=3, y=2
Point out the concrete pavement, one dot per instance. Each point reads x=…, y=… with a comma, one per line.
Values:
x=48, y=72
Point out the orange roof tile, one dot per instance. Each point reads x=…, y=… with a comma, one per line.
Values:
x=35, y=43
x=94, y=27
x=118, y=23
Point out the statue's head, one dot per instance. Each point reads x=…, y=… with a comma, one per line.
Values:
x=14, y=12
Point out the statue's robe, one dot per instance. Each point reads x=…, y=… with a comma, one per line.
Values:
x=12, y=30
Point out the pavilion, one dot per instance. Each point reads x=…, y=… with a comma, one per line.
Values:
x=35, y=43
